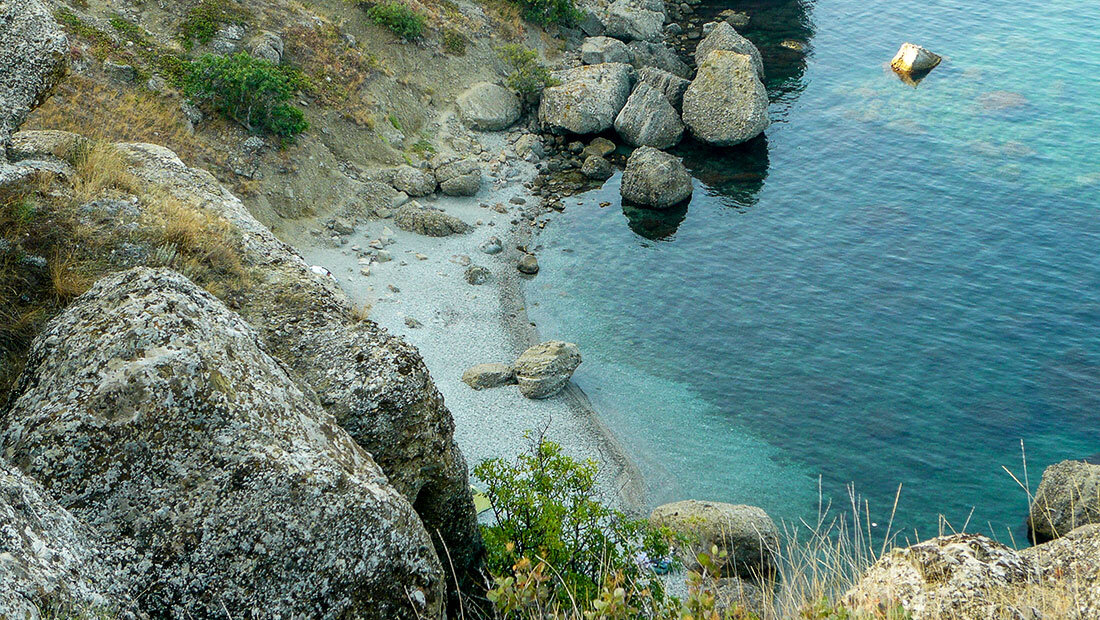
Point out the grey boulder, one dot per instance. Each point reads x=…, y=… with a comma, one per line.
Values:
x=457, y=176
x=485, y=376
x=746, y=534
x=724, y=37
x=726, y=103
x=33, y=58
x=635, y=20
x=544, y=369
x=598, y=50
x=415, y=217
x=597, y=168
x=648, y=119
x=659, y=56
x=488, y=107
x=1068, y=497
x=414, y=181
x=588, y=98
x=655, y=179
x=268, y=46
x=671, y=86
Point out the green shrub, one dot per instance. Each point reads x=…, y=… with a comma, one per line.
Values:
x=548, y=12
x=205, y=19
x=528, y=77
x=550, y=520
x=398, y=18
x=454, y=43
x=251, y=91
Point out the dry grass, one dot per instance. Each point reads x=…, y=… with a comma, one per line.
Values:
x=336, y=71
x=100, y=167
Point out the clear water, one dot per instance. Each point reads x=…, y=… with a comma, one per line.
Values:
x=896, y=286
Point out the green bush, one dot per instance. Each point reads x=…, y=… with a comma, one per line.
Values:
x=251, y=91
x=548, y=514
x=399, y=18
x=528, y=77
x=548, y=12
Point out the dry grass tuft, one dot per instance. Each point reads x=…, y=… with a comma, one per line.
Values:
x=101, y=167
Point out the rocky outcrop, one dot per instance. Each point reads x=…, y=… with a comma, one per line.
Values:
x=415, y=217
x=485, y=376
x=914, y=59
x=414, y=181
x=268, y=46
x=597, y=168
x=655, y=179
x=635, y=20
x=457, y=176
x=658, y=56
x=544, y=369
x=488, y=107
x=726, y=103
x=724, y=37
x=746, y=536
x=1069, y=570
x=48, y=558
x=670, y=85
x=33, y=58
x=648, y=119
x=1068, y=497
x=588, y=98
x=598, y=50
x=155, y=414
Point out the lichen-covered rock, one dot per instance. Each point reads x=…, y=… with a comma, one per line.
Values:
x=655, y=179
x=746, y=534
x=415, y=217
x=1069, y=570
x=588, y=98
x=658, y=56
x=489, y=107
x=48, y=558
x=414, y=181
x=648, y=119
x=724, y=37
x=946, y=577
x=485, y=376
x=726, y=103
x=544, y=369
x=457, y=176
x=597, y=168
x=1068, y=497
x=635, y=20
x=598, y=50
x=268, y=46
x=914, y=59
x=670, y=85
x=155, y=415
x=33, y=55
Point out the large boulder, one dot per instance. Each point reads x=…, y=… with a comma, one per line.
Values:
x=724, y=37
x=659, y=56
x=48, y=558
x=413, y=181
x=671, y=86
x=33, y=58
x=489, y=107
x=457, y=176
x=1068, y=497
x=648, y=119
x=544, y=369
x=726, y=103
x=1069, y=570
x=415, y=217
x=745, y=534
x=914, y=59
x=655, y=179
x=598, y=50
x=957, y=576
x=635, y=20
x=587, y=99
x=155, y=414
x=485, y=376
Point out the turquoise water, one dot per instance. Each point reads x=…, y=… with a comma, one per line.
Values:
x=896, y=285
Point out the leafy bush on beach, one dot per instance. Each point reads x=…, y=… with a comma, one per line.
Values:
x=528, y=76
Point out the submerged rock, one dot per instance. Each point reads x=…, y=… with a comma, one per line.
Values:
x=544, y=369
x=746, y=534
x=588, y=98
x=724, y=37
x=726, y=103
x=485, y=376
x=221, y=487
x=415, y=217
x=648, y=119
x=914, y=59
x=1068, y=497
x=489, y=107
x=655, y=179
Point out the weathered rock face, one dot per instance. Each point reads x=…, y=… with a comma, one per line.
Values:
x=413, y=181
x=745, y=533
x=597, y=168
x=655, y=179
x=415, y=217
x=1068, y=497
x=635, y=20
x=488, y=107
x=47, y=557
x=588, y=98
x=946, y=577
x=154, y=413
x=544, y=369
x=648, y=119
x=726, y=103
x=457, y=176
x=598, y=50
x=485, y=376
x=671, y=86
x=658, y=56
x=268, y=46
x=1069, y=568
x=724, y=37
x=33, y=58
x=914, y=59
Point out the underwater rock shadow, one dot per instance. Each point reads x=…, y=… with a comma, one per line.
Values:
x=735, y=173
x=655, y=224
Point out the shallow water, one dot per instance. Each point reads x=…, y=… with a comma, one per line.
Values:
x=897, y=285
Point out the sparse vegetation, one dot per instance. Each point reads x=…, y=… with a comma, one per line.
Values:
x=399, y=18
x=423, y=148
x=334, y=71
x=251, y=91
x=207, y=17
x=550, y=12
x=454, y=42
x=528, y=76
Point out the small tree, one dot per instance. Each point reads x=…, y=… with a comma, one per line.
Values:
x=252, y=91
x=398, y=18
x=528, y=76
x=548, y=12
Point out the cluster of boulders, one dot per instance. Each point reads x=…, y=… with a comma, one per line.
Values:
x=541, y=371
